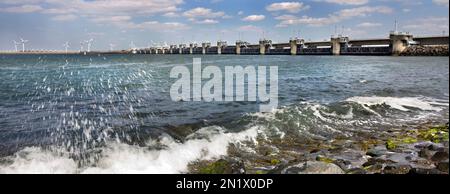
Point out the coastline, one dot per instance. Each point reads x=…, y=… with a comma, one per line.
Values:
x=422, y=150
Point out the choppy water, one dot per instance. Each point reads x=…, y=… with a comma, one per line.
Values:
x=113, y=113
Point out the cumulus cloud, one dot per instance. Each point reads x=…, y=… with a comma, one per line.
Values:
x=369, y=25
x=113, y=19
x=118, y=12
x=346, y=2
x=441, y=2
x=427, y=26
x=68, y=17
x=201, y=15
x=336, y=17
x=292, y=7
x=22, y=9
x=171, y=15
x=201, y=12
x=206, y=21
x=254, y=18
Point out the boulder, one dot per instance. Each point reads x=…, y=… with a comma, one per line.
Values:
x=439, y=156
x=443, y=166
x=313, y=167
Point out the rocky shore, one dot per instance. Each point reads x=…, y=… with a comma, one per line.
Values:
x=426, y=51
x=402, y=151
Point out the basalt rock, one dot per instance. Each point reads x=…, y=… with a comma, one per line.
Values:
x=426, y=51
x=439, y=156
x=443, y=166
x=313, y=168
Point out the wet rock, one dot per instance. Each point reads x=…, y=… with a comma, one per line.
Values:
x=324, y=159
x=396, y=169
x=373, y=161
x=266, y=150
x=314, y=151
x=425, y=171
x=422, y=163
x=223, y=166
x=419, y=50
x=439, y=156
x=428, y=145
x=313, y=168
x=376, y=168
x=443, y=166
x=356, y=171
x=376, y=151
x=426, y=153
x=343, y=164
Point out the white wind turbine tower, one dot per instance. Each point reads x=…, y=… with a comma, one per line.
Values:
x=89, y=44
x=111, y=46
x=81, y=46
x=15, y=45
x=23, y=44
x=132, y=45
x=66, y=46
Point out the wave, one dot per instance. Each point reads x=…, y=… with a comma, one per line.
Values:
x=167, y=155
x=173, y=157
x=352, y=115
x=403, y=104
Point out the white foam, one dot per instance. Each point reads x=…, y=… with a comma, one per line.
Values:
x=34, y=160
x=402, y=104
x=123, y=158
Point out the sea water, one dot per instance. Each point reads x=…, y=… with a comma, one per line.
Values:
x=114, y=114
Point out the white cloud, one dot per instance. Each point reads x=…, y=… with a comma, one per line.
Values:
x=254, y=18
x=336, y=17
x=201, y=15
x=22, y=9
x=171, y=15
x=441, y=2
x=124, y=7
x=206, y=21
x=292, y=7
x=363, y=11
x=201, y=12
x=427, y=26
x=118, y=12
x=20, y=2
x=126, y=23
x=69, y=17
x=369, y=25
x=346, y=2
x=113, y=19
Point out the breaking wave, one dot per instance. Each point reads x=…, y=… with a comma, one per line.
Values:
x=164, y=156
x=403, y=104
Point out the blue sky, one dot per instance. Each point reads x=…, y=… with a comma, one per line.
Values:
x=48, y=24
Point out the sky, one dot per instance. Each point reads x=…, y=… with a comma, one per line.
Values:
x=48, y=24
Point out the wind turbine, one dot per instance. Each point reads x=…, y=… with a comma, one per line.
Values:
x=23, y=44
x=89, y=44
x=15, y=45
x=111, y=46
x=66, y=46
x=81, y=46
x=132, y=45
